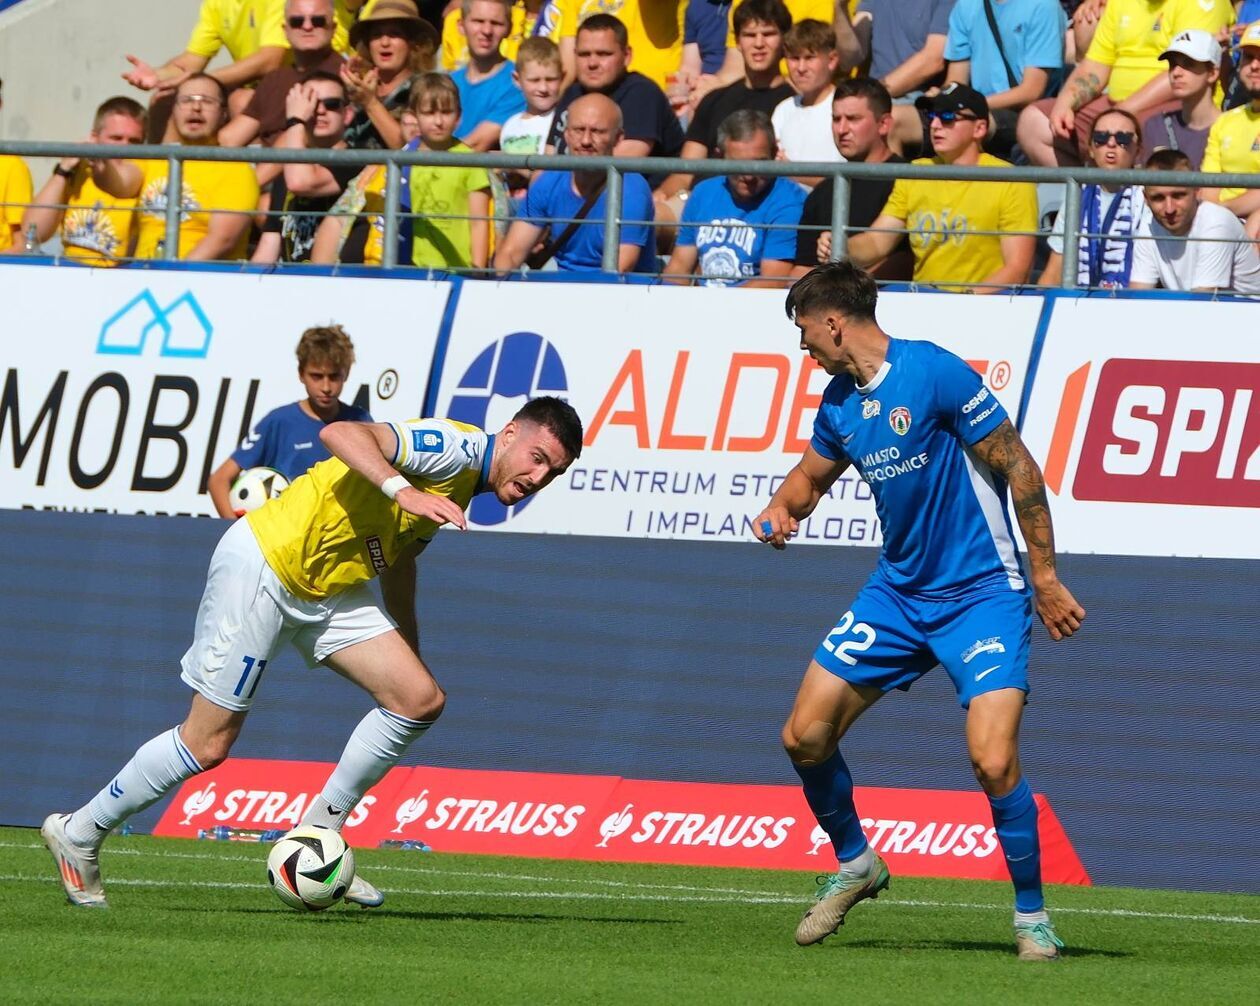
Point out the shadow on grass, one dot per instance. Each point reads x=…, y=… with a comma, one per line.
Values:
x=970, y=946
x=350, y=916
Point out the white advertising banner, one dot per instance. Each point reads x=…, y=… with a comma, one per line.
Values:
x=696, y=402
x=124, y=389
x=1145, y=416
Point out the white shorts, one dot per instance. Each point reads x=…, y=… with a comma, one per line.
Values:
x=246, y=614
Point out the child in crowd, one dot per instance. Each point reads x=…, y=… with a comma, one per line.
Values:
x=449, y=208
x=538, y=74
x=803, y=121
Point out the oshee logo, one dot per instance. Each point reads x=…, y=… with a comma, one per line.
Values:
x=499, y=381
x=1162, y=431
x=185, y=329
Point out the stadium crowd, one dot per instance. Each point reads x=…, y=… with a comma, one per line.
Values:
x=1117, y=84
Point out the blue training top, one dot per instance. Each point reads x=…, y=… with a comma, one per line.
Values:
x=287, y=439
x=941, y=509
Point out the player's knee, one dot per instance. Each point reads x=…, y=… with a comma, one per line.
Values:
x=212, y=750
x=424, y=704
x=996, y=771
x=809, y=746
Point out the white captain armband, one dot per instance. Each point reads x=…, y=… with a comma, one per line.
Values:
x=393, y=485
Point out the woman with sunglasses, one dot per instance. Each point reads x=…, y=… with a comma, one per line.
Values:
x=1110, y=214
x=393, y=45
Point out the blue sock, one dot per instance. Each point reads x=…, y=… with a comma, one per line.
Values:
x=829, y=793
x=1015, y=819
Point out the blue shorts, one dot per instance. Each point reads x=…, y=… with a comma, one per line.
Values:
x=888, y=641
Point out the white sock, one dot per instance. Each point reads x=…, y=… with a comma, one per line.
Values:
x=860, y=864
x=158, y=767
x=1031, y=918
x=374, y=748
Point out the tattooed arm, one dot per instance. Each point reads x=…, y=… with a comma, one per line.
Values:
x=1004, y=452
x=1086, y=83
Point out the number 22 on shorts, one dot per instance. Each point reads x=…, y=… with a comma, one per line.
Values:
x=863, y=634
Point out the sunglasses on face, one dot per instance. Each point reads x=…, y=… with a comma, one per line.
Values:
x=1123, y=138
x=188, y=100
x=949, y=118
x=331, y=104
x=316, y=21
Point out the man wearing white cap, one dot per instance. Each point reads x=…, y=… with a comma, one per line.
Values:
x=1234, y=142
x=1194, y=67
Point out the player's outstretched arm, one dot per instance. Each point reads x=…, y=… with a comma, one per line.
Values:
x=367, y=449
x=796, y=498
x=1004, y=452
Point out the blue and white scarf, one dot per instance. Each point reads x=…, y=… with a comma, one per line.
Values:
x=1106, y=246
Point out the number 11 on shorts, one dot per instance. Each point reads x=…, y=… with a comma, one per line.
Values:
x=252, y=667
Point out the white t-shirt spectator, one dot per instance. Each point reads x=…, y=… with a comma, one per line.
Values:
x=1217, y=256
x=804, y=133
x=525, y=134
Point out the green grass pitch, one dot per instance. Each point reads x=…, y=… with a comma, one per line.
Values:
x=194, y=922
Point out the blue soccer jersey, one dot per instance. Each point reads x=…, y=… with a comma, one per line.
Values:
x=287, y=439
x=942, y=510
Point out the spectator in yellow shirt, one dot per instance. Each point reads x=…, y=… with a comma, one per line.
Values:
x=978, y=236
x=15, y=196
x=654, y=28
x=1234, y=141
x=1121, y=70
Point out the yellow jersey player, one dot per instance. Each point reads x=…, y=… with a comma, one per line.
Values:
x=297, y=570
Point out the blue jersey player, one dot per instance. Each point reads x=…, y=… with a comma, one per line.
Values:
x=939, y=453
x=288, y=438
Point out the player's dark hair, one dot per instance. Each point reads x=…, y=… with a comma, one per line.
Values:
x=559, y=418
x=773, y=12
x=607, y=22
x=328, y=344
x=875, y=93
x=1168, y=160
x=834, y=286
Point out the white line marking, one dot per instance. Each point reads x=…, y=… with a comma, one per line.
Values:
x=707, y=895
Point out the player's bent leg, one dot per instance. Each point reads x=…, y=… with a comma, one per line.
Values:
x=825, y=707
x=410, y=700
x=993, y=720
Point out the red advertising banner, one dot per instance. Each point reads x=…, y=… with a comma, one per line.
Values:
x=931, y=833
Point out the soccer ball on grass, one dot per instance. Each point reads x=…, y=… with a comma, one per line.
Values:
x=310, y=869
x=253, y=487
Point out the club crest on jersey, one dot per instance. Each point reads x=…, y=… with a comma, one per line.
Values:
x=870, y=409
x=899, y=420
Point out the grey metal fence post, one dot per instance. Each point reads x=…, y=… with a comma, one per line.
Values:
x=612, y=220
x=174, y=207
x=1071, y=232
x=389, y=234
x=840, y=218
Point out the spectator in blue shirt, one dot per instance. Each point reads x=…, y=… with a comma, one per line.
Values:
x=1025, y=66
x=487, y=93
x=564, y=210
x=287, y=438
x=739, y=229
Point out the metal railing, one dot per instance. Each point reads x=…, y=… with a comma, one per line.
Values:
x=614, y=168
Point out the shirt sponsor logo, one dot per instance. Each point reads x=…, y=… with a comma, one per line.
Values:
x=376, y=554
x=1173, y=431
x=991, y=645
x=427, y=441
x=975, y=401
x=880, y=466
x=870, y=409
x=899, y=420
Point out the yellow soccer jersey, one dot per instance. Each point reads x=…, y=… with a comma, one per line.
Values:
x=942, y=218
x=96, y=227
x=208, y=186
x=332, y=528
x=1233, y=145
x=15, y=195
x=655, y=28
x=1132, y=33
x=240, y=26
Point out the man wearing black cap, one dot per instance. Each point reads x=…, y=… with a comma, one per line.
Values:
x=969, y=236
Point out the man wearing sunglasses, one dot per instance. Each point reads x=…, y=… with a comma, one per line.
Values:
x=308, y=27
x=971, y=237
x=318, y=114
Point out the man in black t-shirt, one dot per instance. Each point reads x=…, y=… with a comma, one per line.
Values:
x=861, y=119
x=759, y=27
x=650, y=129
x=317, y=112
